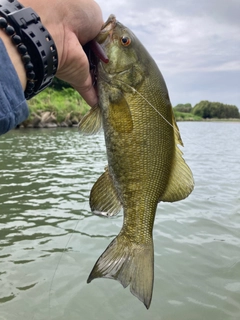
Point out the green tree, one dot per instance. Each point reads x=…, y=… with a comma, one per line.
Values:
x=187, y=107
x=206, y=109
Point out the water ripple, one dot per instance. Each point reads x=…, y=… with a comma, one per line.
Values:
x=49, y=240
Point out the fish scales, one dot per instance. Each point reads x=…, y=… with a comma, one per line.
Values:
x=130, y=150
x=145, y=165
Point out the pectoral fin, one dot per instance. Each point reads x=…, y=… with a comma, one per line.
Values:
x=120, y=116
x=181, y=182
x=104, y=198
x=91, y=123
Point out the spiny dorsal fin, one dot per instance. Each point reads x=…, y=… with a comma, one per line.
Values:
x=91, y=123
x=104, y=198
x=180, y=183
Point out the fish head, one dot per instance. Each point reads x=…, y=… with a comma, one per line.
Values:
x=127, y=58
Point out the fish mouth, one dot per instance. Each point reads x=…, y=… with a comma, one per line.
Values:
x=107, y=30
x=94, y=49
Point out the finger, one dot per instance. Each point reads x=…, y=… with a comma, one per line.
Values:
x=90, y=23
x=88, y=92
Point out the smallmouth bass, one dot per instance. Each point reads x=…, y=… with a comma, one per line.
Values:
x=145, y=166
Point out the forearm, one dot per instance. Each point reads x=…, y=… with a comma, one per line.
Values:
x=13, y=106
x=15, y=58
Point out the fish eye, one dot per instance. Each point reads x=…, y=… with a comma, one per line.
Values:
x=125, y=41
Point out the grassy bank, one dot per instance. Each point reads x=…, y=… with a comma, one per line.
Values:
x=66, y=103
x=183, y=116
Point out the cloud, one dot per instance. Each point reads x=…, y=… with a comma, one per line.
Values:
x=188, y=40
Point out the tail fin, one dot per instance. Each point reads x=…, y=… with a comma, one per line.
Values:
x=129, y=263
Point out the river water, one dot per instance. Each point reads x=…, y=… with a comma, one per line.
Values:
x=49, y=240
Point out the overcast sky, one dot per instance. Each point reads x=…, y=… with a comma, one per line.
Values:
x=196, y=44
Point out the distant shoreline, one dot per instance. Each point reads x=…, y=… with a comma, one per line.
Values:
x=48, y=120
x=208, y=120
x=65, y=109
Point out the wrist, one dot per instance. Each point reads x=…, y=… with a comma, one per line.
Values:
x=34, y=44
x=50, y=18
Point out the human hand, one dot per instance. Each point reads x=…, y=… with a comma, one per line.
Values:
x=71, y=23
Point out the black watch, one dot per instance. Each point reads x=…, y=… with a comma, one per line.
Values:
x=39, y=43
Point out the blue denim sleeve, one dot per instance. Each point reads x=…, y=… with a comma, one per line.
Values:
x=13, y=106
